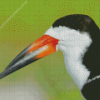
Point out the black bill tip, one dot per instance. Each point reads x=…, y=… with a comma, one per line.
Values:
x=29, y=58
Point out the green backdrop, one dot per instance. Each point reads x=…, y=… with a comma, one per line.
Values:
x=21, y=23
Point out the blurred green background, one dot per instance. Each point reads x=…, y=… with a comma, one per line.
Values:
x=21, y=23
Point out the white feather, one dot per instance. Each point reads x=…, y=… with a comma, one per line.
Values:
x=73, y=44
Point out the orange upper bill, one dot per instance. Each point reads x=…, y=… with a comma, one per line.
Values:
x=40, y=48
x=49, y=43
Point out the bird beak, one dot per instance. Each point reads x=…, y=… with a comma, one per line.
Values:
x=42, y=47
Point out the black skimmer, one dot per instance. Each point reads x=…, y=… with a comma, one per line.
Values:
x=78, y=37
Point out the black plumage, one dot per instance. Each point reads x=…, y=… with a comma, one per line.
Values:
x=91, y=59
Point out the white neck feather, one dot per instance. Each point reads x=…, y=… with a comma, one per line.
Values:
x=73, y=44
x=76, y=69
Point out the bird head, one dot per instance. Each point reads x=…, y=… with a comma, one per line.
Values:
x=69, y=34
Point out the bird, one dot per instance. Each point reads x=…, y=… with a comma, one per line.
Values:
x=78, y=37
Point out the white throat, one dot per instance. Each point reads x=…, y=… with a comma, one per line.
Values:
x=73, y=44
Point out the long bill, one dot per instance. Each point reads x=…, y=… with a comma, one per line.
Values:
x=42, y=47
